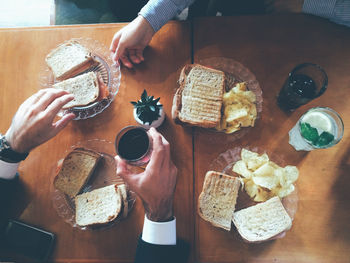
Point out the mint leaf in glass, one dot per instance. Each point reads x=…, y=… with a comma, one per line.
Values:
x=308, y=132
x=324, y=139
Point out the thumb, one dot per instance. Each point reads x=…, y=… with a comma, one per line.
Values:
x=119, y=51
x=123, y=171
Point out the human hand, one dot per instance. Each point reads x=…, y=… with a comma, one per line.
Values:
x=129, y=42
x=156, y=185
x=33, y=124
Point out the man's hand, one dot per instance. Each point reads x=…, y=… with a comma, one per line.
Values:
x=156, y=185
x=129, y=42
x=33, y=124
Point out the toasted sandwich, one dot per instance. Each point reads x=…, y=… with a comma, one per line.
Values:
x=217, y=201
x=76, y=169
x=199, y=98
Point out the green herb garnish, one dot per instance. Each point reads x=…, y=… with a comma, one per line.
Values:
x=310, y=133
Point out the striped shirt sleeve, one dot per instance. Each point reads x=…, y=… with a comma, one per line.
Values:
x=337, y=11
x=159, y=12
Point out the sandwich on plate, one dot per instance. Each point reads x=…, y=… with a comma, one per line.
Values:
x=85, y=89
x=263, y=221
x=217, y=201
x=199, y=98
x=98, y=207
x=75, y=171
x=69, y=59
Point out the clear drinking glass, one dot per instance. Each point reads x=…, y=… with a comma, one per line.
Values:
x=305, y=82
x=134, y=145
x=318, y=128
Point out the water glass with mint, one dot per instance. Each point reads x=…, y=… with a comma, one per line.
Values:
x=318, y=128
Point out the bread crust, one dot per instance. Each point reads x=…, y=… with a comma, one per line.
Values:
x=87, y=63
x=61, y=185
x=177, y=100
x=281, y=214
x=206, y=185
x=110, y=218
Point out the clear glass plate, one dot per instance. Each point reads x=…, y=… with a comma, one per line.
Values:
x=236, y=72
x=108, y=69
x=224, y=163
x=104, y=175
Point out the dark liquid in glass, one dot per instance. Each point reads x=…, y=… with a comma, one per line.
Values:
x=133, y=144
x=298, y=90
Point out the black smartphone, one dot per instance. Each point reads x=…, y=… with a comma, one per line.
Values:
x=28, y=241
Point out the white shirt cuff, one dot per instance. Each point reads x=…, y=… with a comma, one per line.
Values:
x=159, y=233
x=8, y=170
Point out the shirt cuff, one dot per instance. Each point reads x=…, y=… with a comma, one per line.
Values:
x=159, y=233
x=8, y=170
x=323, y=8
x=158, y=13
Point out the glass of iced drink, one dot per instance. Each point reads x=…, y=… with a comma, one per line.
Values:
x=305, y=82
x=318, y=128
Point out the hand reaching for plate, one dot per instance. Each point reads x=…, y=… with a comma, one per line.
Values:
x=129, y=42
x=156, y=185
x=33, y=124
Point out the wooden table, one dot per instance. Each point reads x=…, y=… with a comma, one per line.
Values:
x=22, y=55
x=270, y=46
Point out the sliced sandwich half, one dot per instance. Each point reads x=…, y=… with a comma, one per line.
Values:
x=69, y=59
x=85, y=89
x=198, y=100
x=262, y=221
x=217, y=201
x=76, y=169
x=98, y=207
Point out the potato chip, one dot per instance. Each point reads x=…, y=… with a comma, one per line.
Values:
x=264, y=170
x=283, y=192
x=239, y=109
x=253, y=160
x=251, y=188
x=268, y=182
x=292, y=173
x=241, y=168
x=263, y=178
x=262, y=195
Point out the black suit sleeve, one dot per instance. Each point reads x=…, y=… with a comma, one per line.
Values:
x=150, y=253
x=7, y=189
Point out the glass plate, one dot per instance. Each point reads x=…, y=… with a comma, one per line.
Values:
x=108, y=69
x=224, y=163
x=236, y=72
x=104, y=175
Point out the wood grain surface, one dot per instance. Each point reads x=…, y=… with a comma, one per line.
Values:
x=22, y=55
x=270, y=46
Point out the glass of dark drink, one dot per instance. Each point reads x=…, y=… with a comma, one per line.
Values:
x=305, y=82
x=134, y=145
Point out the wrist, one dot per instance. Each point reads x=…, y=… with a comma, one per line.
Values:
x=10, y=139
x=144, y=25
x=162, y=213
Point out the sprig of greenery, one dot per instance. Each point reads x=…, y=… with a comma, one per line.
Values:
x=311, y=134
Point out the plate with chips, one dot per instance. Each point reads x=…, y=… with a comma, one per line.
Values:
x=263, y=175
x=242, y=101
